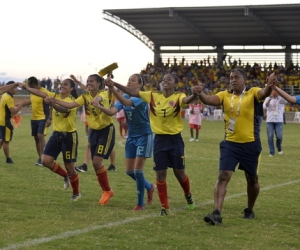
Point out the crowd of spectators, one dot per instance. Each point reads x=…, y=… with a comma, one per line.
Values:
x=215, y=77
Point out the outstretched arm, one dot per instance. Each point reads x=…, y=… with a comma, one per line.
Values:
x=8, y=87
x=79, y=83
x=195, y=92
x=129, y=91
x=36, y=92
x=286, y=96
x=213, y=100
x=68, y=105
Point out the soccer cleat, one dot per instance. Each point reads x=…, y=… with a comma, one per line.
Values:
x=280, y=152
x=164, y=212
x=111, y=167
x=75, y=197
x=39, y=162
x=9, y=161
x=192, y=139
x=106, y=196
x=190, y=202
x=214, y=218
x=248, y=214
x=66, y=182
x=82, y=168
x=150, y=194
x=138, y=208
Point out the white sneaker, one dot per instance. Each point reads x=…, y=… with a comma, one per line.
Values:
x=280, y=152
x=192, y=139
x=197, y=140
x=66, y=182
x=271, y=155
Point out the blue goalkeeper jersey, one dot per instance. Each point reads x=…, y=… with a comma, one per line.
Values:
x=137, y=117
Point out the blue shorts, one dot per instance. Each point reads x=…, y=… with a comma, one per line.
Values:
x=139, y=146
x=247, y=155
x=6, y=133
x=168, y=152
x=102, y=141
x=38, y=127
x=62, y=142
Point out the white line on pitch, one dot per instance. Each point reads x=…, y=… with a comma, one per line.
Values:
x=117, y=223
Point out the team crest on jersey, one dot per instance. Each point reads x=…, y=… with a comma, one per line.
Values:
x=172, y=103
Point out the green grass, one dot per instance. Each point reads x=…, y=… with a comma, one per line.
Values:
x=35, y=211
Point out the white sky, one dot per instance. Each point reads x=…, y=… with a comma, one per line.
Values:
x=50, y=38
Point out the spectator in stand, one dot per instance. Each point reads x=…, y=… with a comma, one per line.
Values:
x=7, y=110
x=195, y=119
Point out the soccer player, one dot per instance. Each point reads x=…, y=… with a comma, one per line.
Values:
x=8, y=87
x=140, y=137
x=102, y=137
x=242, y=145
x=64, y=138
x=166, y=123
x=7, y=110
x=40, y=120
x=87, y=155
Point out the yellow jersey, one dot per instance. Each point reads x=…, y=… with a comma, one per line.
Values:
x=6, y=103
x=241, y=115
x=40, y=110
x=63, y=122
x=165, y=115
x=95, y=118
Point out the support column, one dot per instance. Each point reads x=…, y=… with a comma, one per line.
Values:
x=157, y=55
x=288, y=55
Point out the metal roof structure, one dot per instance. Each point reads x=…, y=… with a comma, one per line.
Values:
x=268, y=25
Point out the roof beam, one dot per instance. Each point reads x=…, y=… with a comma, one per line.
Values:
x=129, y=28
x=188, y=23
x=264, y=24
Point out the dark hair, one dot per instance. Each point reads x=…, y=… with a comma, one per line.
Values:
x=141, y=80
x=242, y=72
x=175, y=78
x=33, y=80
x=73, y=92
x=10, y=82
x=99, y=79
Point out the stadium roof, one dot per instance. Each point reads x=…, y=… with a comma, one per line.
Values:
x=272, y=25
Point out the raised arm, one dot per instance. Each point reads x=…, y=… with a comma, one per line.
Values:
x=129, y=91
x=121, y=98
x=266, y=91
x=195, y=93
x=284, y=95
x=79, y=83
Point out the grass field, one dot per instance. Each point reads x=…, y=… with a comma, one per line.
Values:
x=35, y=211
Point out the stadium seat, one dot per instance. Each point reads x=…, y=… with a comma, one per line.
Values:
x=218, y=114
x=297, y=117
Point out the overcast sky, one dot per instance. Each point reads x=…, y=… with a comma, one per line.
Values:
x=50, y=38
